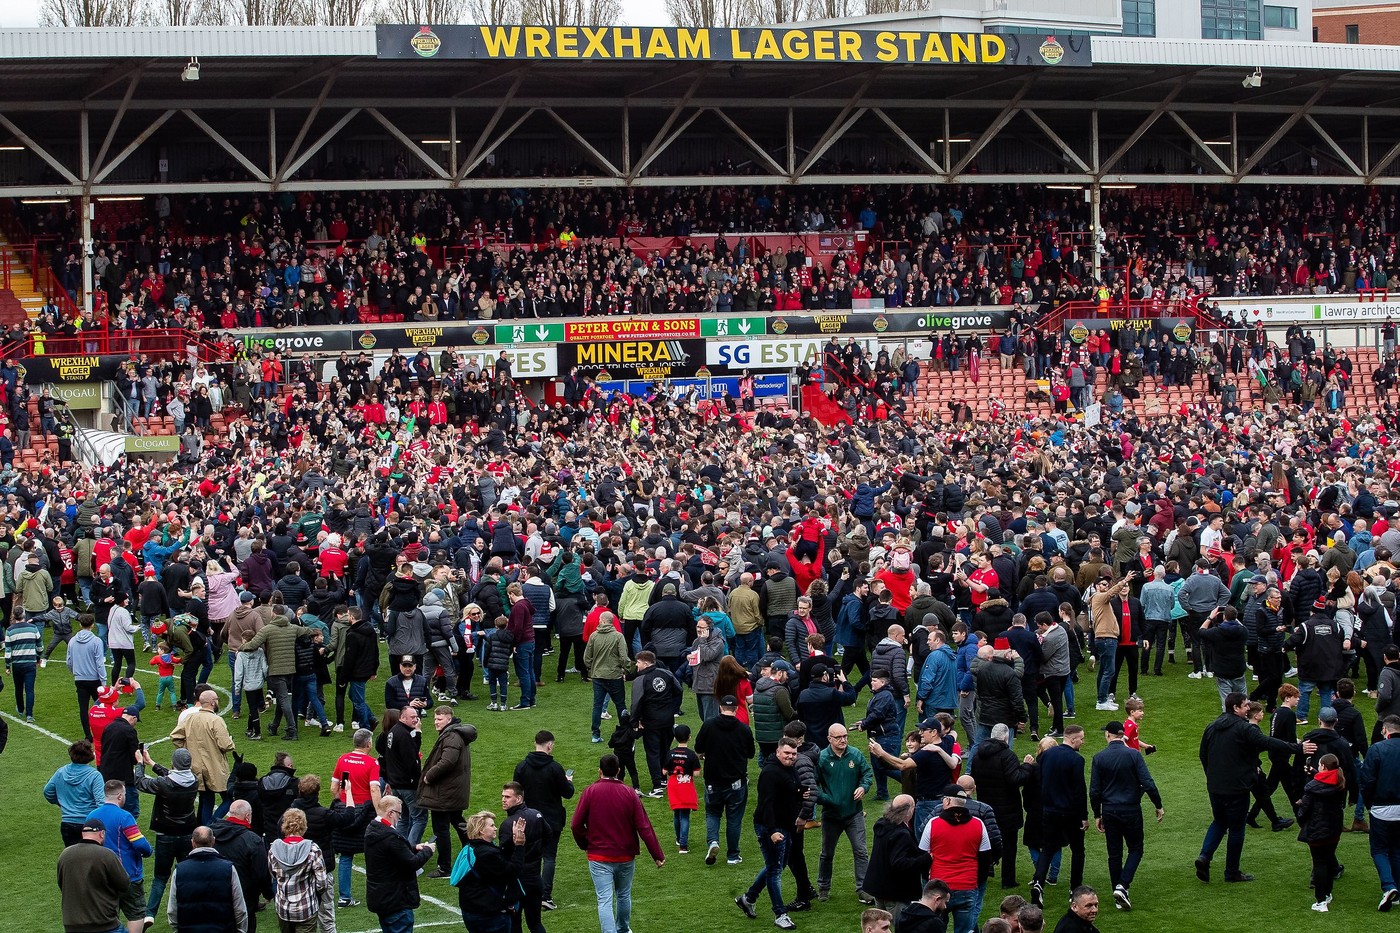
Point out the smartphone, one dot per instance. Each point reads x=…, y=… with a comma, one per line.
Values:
x=569, y=774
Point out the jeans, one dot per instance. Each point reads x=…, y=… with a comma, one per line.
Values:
x=709, y=706
x=612, y=883
x=132, y=802
x=604, y=690
x=1106, y=649
x=549, y=857
x=400, y=922
x=499, y=684
x=1228, y=813
x=1120, y=827
x=681, y=821
x=414, y=818
x=359, y=708
x=923, y=812
x=342, y=874
x=304, y=695
x=1054, y=871
x=965, y=906
x=832, y=829
x=24, y=687
x=169, y=850
x=748, y=648
x=1385, y=851
x=1324, y=690
x=728, y=802
x=770, y=876
x=525, y=672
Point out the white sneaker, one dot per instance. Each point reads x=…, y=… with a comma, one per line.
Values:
x=784, y=922
x=1194, y=675
x=354, y=726
x=340, y=727
x=1110, y=706
x=1210, y=675
x=1321, y=906
x=1292, y=672
x=606, y=715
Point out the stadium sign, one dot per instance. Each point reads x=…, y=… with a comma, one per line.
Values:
x=670, y=43
x=635, y=359
x=1286, y=311
x=772, y=354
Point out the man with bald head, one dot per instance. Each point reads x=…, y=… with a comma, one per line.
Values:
x=204, y=732
x=213, y=893
x=898, y=867
x=236, y=841
x=843, y=779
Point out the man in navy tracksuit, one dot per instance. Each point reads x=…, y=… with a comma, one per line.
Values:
x=1380, y=788
x=1066, y=805
x=1118, y=777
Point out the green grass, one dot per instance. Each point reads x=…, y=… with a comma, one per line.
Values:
x=685, y=894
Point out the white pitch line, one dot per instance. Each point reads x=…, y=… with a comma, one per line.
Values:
x=422, y=926
x=39, y=729
x=450, y=908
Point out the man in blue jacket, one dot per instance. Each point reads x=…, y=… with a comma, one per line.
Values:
x=1380, y=788
x=966, y=647
x=938, y=687
x=1118, y=777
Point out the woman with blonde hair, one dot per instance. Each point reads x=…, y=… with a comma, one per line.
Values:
x=487, y=882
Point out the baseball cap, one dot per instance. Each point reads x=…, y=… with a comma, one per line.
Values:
x=1114, y=728
x=930, y=724
x=953, y=790
x=1328, y=714
x=407, y=659
x=784, y=667
x=133, y=712
x=246, y=597
x=729, y=702
x=93, y=825
x=1259, y=579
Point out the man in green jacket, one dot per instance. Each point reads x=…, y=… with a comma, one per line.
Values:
x=843, y=779
x=606, y=661
x=280, y=636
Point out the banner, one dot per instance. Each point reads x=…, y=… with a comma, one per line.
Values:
x=631, y=328
x=153, y=444
x=766, y=386
x=773, y=354
x=669, y=43
x=1306, y=310
x=962, y=319
x=1179, y=329
x=351, y=338
x=646, y=359
x=86, y=396
x=42, y=370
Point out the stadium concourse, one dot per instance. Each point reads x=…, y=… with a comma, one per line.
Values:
x=362, y=593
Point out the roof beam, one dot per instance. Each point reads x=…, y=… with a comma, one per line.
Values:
x=490, y=125
x=290, y=168
x=655, y=152
x=753, y=145
x=598, y=158
x=409, y=144
x=1326, y=137
x=1065, y=148
x=992, y=130
x=650, y=152
x=306, y=123
x=227, y=146
x=117, y=117
x=486, y=150
x=928, y=161
x=131, y=147
x=1142, y=129
x=844, y=120
x=38, y=150
x=1200, y=143
x=1282, y=130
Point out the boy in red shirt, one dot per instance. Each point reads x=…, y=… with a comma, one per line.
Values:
x=1135, y=712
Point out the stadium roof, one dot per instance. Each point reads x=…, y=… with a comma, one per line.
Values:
x=96, y=110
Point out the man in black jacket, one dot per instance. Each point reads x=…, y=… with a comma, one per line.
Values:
x=775, y=822
x=1229, y=753
x=276, y=791
x=359, y=661
x=120, y=746
x=391, y=869
x=726, y=746
x=1380, y=786
x=237, y=842
x=929, y=914
x=546, y=785
x=1118, y=777
x=655, y=697
x=898, y=866
x=531, y=856
x=1065, y=804
x=174, y=813
x=401, y=765
x=1000, y=775
x=1000, y=698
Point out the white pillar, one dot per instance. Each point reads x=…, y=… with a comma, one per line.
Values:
x=1095, y=228
x=85, y=207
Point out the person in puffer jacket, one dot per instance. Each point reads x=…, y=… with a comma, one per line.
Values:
x=441, y=642
x=302, y=885
x=891, y=657
x=174, y=815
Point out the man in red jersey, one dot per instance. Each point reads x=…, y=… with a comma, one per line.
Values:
x=355, y=779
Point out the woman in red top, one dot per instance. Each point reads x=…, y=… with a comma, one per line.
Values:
x=732, y=680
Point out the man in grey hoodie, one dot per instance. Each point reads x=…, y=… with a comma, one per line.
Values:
x=86, y=663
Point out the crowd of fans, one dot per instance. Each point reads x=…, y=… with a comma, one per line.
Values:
x=935, y=591
x=302, y=259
